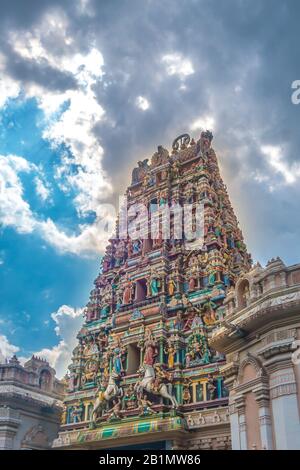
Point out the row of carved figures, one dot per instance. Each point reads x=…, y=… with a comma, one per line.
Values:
x=141, y=402
x=162, y=156
x=97, y=359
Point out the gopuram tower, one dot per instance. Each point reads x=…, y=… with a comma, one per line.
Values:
x=143, y=374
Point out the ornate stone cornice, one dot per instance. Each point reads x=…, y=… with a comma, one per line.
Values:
x=229, y=371
x=20, y=393
x=266, y=308
x=275, y=349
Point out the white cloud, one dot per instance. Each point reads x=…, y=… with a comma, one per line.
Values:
x=6, y=348
x=9, y=88
x=42, y=191
x=92, y=238
x=73, y=127
x=176, y=64
x=68, y=322
x=275, y=158
x=16, y=212
x=203, y=123
x=142, y=103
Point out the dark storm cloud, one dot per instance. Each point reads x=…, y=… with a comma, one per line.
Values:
x=24, y=14
x=40, y=73
x=245, y=55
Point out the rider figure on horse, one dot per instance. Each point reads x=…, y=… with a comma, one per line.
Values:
x=159, y=377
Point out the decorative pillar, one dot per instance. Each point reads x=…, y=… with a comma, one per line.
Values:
x=141, y=356
x=204, y=390
x=242, y=430
x=242, y=426
x=264, y=412
x=161, y=351
x=178, y=388
x=283, y=394
x=265, y=425
x=148, y=288
x=178, y=355
x=283, y=279
x=271, y=282
x=234, y=426
x=86, y=412
x=194, y=393
x=69, y=414
x=219, y=387
x=10, y=422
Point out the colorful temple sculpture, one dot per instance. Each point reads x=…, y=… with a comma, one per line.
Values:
x=144, y=372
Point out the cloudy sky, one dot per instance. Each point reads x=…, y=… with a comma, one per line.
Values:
x=87, y=88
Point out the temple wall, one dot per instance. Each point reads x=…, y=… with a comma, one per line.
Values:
x=261, y=372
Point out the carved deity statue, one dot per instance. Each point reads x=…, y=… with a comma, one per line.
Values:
x=128, y=292
x=150, y=348
x=160, y=157
x=145, y=406
x=171, y=352
x=139, y=172
x=118, y=355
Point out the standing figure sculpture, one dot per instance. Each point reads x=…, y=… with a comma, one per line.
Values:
x=118, y=353
x=154, y=283
x=150, y=348
x=170, y=351
x=127, y=293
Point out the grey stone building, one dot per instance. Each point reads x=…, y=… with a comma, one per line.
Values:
x=30, y=404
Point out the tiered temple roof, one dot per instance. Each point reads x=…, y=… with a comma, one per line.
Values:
x=156, y=302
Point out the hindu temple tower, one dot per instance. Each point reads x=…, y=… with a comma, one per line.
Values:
x=143, y=374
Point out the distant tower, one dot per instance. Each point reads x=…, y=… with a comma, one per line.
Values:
x=143, y=372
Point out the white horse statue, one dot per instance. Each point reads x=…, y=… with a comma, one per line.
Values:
x=146, y=384
x=112, y=391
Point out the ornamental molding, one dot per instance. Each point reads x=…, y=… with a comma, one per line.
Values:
x=274, y=301
x=276, y=348
x=283, y=383
x=36, y=438
x=260, y=309
x=232, y=408
x=210, y=443
x=119, y=430
x=243, y=427
x=27, y=395
x=206, y=418
x=281, y=390
x=279, y=335
x=265, y=420
x=229, y=371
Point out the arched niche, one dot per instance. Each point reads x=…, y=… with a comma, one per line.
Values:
x=250, y=369
x=243, y=293
x=35, y=438
x=45, y=380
